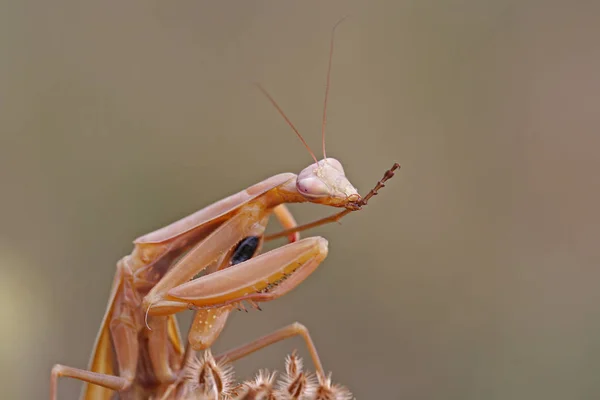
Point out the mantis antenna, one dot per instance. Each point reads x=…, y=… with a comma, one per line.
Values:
x=328, y=84
x=286, y=120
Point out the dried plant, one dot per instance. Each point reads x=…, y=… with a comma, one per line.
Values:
x=205, y=379
x=295, y=384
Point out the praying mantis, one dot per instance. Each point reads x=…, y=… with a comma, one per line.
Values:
x=138, y=351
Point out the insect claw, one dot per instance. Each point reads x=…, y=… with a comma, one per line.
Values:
x=146, y=317
x=254, y=304
x=241, y=307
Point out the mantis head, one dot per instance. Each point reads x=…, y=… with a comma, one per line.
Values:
x=324, y=182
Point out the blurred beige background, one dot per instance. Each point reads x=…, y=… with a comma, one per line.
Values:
x=474, y=275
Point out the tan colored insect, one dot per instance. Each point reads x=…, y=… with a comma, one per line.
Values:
x=138, y=350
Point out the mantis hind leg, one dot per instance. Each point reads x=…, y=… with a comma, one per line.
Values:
x=289, y=331
x=119, y=331
x=107, y=381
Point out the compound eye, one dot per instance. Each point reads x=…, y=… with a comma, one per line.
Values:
x=312, y=187
x=335, y=164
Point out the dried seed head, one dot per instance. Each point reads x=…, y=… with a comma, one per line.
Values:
x=295, y=384
x=261, y=388
x=264, y=378
x=206, y=379
x=327, y=391
x=293, y=364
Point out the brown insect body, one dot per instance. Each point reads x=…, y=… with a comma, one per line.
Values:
x=138, y=350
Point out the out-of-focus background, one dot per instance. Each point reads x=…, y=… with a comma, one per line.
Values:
x=474, y=275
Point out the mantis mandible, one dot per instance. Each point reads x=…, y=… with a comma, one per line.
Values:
x=138, y=350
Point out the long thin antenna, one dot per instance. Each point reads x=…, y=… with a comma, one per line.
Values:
x=286, y=120
x=328, y=84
